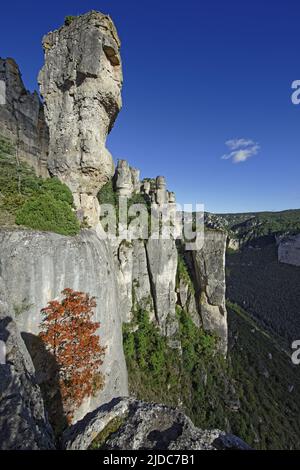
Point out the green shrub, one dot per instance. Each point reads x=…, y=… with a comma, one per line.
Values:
x=183, y=273
x=112, y=427
x=47, y=213
x=59, y=190
x=154, y=368
x=28, y=200
x=69, y=19
x=106, y=195
x=160, y=373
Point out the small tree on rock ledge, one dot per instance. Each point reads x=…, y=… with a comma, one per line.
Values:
x=69, y=335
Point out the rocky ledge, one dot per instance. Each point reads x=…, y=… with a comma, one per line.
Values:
x=129, y=424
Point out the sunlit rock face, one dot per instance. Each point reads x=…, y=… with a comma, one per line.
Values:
x=161, y=191
x=146, y=426
x=36, y=266
x=123, y=179
x=127, y=179
x=209, y=266
x=81, y=85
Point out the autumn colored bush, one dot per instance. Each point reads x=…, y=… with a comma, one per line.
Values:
x=68, y=333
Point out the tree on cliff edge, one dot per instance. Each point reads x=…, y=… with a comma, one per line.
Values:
x=69, y=335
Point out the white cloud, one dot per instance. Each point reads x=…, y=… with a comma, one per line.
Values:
x=241, y=150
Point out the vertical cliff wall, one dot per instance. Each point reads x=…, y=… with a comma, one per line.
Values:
x=22, y=118
x=35, y=267
x=81, y=85
x=209, y=269
x=289, y=250
x=149, y=271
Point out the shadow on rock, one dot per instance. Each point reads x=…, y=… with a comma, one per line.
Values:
x=47, y=376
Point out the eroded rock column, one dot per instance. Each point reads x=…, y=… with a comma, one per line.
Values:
x=81, y=86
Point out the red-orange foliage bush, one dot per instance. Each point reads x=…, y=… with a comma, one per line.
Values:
x=68, y=334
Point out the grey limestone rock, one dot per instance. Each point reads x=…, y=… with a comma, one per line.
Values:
x=162, y=267
x=22, y=118
x=209, y=266
x=123, y=177
x=147, y=426
x=161, y=193
x=36, y=266
x=289, y=250
x=127, y=179
x=81, y=84
x=23, y=420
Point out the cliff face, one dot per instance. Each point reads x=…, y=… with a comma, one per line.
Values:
x=22, y=119
x=23, y=420
x=35, y=267
x=147, y=271
x=81, y=85
x=146, y=274
x=289, y=250
x=209, y=267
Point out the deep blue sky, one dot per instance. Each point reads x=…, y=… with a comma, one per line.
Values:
x=196, y=74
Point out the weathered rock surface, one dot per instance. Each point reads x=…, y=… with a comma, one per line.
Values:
x=146, y=426
x=22, y=118
x=161, y=193
x=127, y=179
x=81, y=85
x=123, y=178
x=133, y=278
x=147, y=269
x=162, y=266
x=289, y=250
x=23, y=420
x=36, y=266
x=209, y=267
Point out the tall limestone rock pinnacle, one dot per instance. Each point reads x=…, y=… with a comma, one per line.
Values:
x=81, y=84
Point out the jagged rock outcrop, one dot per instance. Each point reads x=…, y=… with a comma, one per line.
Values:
x=133, y=277
x=234, y=244
x=147, y=269
x=162, y=266
x=127, y=179
x=81, y=85
x=36, y=266
x=123, y=177
x=146, y=426
x=209, y=269
x=289, y=250
x=23, y=420
x=135, y=175
x=22, y=118
x=147, y=279
x=161, y=194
